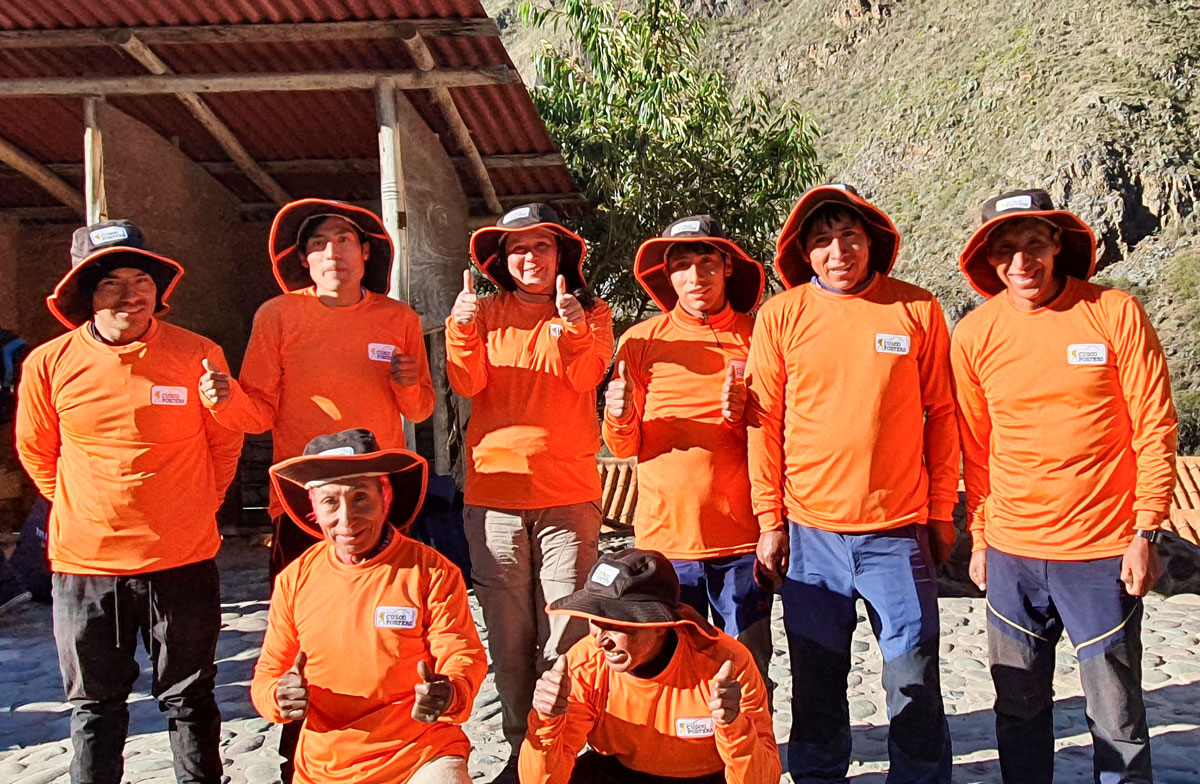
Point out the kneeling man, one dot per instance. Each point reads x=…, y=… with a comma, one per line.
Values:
x=370, y=643
x=656, y=692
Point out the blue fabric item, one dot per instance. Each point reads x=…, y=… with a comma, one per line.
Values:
x=10, y=360
x=439, y=524
x=727, y=586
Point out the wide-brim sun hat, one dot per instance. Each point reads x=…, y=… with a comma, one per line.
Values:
x=791, y=261
x=345, y=455
x=487, y=245
x=287, y=257
x=743, y=287
x=1076, y=258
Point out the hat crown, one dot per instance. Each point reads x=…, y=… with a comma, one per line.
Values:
x=528, y=215
x=86, y=240
x=695, y=226
x=1028, y=200
x=634, y=575
x=356, y=441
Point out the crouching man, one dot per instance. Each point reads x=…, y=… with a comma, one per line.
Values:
x=656, y=692
x=370, y=641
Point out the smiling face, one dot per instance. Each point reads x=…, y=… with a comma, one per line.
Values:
x=839, y=250
x=627, y=647
x=351, y=513
x=698, y=272
x=335, y=256
x=124, y=301
x=533, y=259
x=1022, y=251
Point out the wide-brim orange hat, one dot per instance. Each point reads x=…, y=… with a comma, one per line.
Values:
x=287, y=257
x=488, y=242
x=344, y=455
x=791, y=262
x=743, y=287
x=98, y=249
x=1076, y=258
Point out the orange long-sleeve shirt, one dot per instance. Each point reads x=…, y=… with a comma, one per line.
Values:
x=693, y=485
x=852, y=424
x=363, y=628
x=1067, y=423
x=117, y=439
x=533, y=435
x=661, y=725
x=310, y=370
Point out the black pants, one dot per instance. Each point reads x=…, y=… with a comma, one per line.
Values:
x=288, y=543
x=595, y=768
x=97, y=621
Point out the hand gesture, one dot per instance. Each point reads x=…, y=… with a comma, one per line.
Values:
x=977, y=570
x=733, y=395
x=618, y=398
x=404, y=369
x=1140, y=567
x=773, y=552
x=727, y=696
x=942, y=537
x=466, y=305
x=433, y=694
x=214, y=384
x=291, y=691
x=550, y=694
x=568, y=307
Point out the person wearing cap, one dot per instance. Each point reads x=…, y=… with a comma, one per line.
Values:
x=677, y=404
x=854, y=455
x=110, y=428
x=529, y=358
x=370, y=647
x=655, y=691
x=1069, y=438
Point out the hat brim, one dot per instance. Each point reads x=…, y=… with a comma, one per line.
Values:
x=646, y=615
x=408, y=472
x=287, y=260
x=743, y=288
x=485, y=252
x=1076, y=258
x=792, y=263
x=73, y=307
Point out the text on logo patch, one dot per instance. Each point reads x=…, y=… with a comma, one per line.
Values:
x=168, y=396
x=109, y=234
x=605, y=574
x=695, y=728
x=1087, y=354
x=380, y=352
x=1022, y=202
x=891, y=344
x=395, y=617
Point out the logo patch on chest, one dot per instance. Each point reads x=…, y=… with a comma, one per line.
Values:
x=695, y=728
x=395, y=618
x=1087, y=354
x=556, y=330
x=380, y=352
x=891, y=344
x=168, y=396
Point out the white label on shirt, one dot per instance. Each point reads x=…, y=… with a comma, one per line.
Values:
x=891, y=344
x=109, y=234
x=1022, y=202
x=556, y=330
x=395, y=617
x=605, y=574
x=1087, y=354
x=337, y=451
x=695, y=728
x=380, y=352
x=168, y=396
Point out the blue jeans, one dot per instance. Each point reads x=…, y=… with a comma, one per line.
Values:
x=892, y=571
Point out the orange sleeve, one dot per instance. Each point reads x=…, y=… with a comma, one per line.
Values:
x=457, y=652
x=224, y=445
x=747, y=744
x=587, y=348
x=765, y=385
x=38, y=439
x=281, y=645
x=551, y=744
x=415, y=402
x=624, y=439
x=254, y=397
x=942, y=453
x=466, y=354
x=975, y=433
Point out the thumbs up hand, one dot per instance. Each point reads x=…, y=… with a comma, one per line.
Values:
x=214, y=384
x=727, y=696
x=733, y=395
x=291, y=691
x=550, y=694
x=619, y=395
x=404, y=369
x=569, y=308
x=466, y=305
x=433, y=694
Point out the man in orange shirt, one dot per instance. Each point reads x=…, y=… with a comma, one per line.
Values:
x=530, y=359
x=659, y=695
x=111, y=431
x=370, y=646
x=677, y=404
x=1069, y=438
x=852, y=438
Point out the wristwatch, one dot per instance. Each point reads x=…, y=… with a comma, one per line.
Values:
x=1153, y=537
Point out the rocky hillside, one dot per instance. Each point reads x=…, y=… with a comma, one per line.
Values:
x=929, y=107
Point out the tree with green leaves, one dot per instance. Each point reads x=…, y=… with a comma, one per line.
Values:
x=651, y=133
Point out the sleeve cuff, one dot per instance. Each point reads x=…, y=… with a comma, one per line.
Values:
x=770, y=521
x=579, y=330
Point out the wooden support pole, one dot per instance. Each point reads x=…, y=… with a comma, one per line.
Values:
x=136, y=49
x=26, y=164
x=93, y=163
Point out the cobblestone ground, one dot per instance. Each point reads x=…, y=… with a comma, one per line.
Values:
x=34, y=720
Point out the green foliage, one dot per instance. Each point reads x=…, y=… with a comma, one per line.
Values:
x=652, y=134
x=1187, y=405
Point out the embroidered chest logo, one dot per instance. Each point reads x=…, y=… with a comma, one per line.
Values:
x=380, y=352
x=168, y=396
x=891, y=344
x=695, y=728
x=556, y=330
x=395, y=618
x=1087, y=354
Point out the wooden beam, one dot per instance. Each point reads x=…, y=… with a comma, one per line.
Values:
x=29, y=166
x=512, y=200
x=423, y=59
x=251, y=33
x=256, y=82
x=135, y=48
x=44, y=214
x=93, y=163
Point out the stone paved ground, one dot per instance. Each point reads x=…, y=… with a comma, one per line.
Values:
x=34, y=720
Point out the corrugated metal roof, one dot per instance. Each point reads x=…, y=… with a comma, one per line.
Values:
x=271, y=126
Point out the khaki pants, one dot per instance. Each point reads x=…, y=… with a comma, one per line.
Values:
x=442, y=770
x=521, y=560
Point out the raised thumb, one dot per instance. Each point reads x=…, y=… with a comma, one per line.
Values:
x=726, y=671
x=560, y=665
x=562, y=285
x=468, y=282
x=424, y=671
x=730, y=374
x=299, y=664
x=621, y=370
x=208, y=366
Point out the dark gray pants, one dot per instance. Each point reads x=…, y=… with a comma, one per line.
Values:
x=97, y=621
